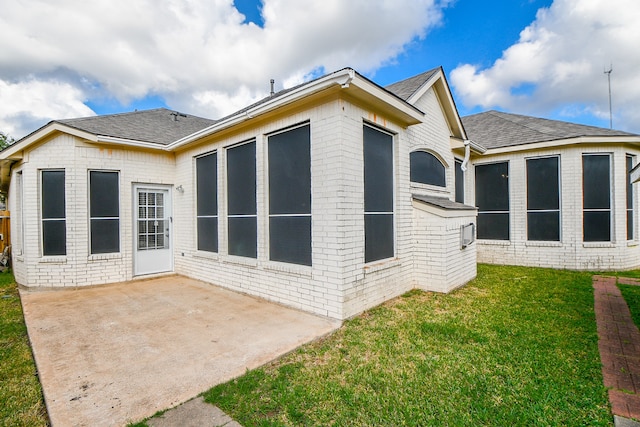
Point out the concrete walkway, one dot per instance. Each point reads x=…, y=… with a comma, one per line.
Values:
x=619, y=344
x=115, y=354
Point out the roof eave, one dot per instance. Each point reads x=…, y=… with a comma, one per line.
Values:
x=346, y=79
x=581, y=140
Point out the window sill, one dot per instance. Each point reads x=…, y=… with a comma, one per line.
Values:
x=543, y=244
x=283, y=267
x=213, y=256
x=238, y=260
x=494, y=242
x=53, y=260
x=376, y=266
x=598, y=245
x=631, y=243
x=104, y=257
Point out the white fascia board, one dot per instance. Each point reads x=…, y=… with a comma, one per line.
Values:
x=129, y=142
x=583, y=140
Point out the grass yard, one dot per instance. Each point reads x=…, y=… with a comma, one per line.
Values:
x=20, y=391
x=517, y=346
x=631, y=294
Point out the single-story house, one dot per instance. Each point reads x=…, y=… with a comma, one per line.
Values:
x=331, y=197
x=553, y=194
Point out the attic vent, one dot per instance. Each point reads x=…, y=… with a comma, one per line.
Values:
x=175, y=115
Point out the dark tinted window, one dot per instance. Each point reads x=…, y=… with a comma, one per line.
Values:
x=596, y=187
x=53, y=200
x=378, y=194
x=596, y=183
x=427, y=169
x=290, y=172
x=378, y=171
x=543, y=199
x=459, y=182
x=492, y=200
x=54, y=226
x=630, y=209
x=241, y=197
x=207, y=202
x=104, y=200
x=241, y=179
x=290, y=196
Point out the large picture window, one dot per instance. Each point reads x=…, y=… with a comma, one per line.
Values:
x=378, y=195
x=104, y=211
x=290, y=196
x=207, y=202
x=425, y=168
x=596, y=201
x=543, y=199
x=630, y=203
x=241, y=200
x=492, y=200
x=54, y=224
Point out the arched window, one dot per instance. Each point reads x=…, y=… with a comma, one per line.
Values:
x=427, y=169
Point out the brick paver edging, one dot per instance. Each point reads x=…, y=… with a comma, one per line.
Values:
x=619, y=344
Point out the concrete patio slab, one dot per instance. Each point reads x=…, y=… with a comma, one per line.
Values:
x=115, y=354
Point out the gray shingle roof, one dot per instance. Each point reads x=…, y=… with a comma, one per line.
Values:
x=443, y=203
x=158, y=126
x=494, y=129
x=405, y=88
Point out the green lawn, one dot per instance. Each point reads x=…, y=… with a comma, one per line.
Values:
x=517, y=346
x=20, y=391
x=631, y=294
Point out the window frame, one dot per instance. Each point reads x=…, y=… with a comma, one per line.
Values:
x=609, y=209
x=630, y=206
x=102, y=218
x=238, y=221
x=200, y=243
x=301, y=215
x=533, y=211
x=45, y=221
x=376, y=214
x=482, y=213
x=413, y=172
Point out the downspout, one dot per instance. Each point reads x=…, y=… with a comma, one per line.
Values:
x=467, y=153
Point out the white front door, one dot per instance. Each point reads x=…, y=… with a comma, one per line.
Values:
x=152, y=230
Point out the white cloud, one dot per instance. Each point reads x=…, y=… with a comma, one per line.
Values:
x=196, y=54
x=560, y=59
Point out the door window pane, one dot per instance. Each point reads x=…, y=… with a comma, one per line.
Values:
x=459, y=182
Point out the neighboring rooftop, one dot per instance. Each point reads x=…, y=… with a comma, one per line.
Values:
x=404, y=89
x=159, y=126
x=494, y=129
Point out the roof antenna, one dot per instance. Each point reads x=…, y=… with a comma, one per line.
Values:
x=608, y=73
x=272, y=83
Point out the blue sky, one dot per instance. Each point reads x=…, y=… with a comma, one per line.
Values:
x=211, y=57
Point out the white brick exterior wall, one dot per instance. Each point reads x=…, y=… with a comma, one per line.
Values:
x=338, y=284
x=571, y=252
